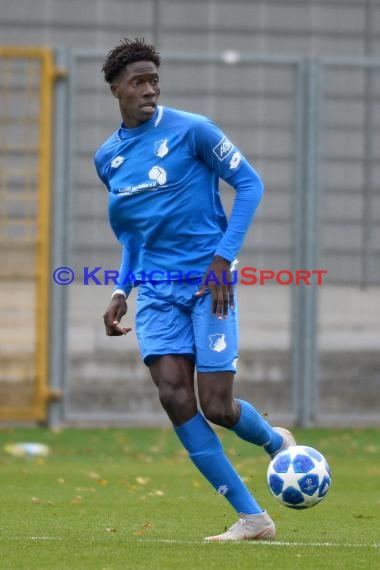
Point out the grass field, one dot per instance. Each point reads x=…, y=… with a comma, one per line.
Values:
x=130, y=499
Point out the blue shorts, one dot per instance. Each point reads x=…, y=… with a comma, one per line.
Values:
x=171, y=320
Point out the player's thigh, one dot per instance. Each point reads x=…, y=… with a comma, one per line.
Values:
x=215, y=387
x=175, y=371
x=174, y=378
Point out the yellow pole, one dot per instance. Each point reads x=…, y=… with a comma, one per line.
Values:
x=43, y=231
x=37, y=410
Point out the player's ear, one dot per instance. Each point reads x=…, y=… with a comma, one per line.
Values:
x=115, y=90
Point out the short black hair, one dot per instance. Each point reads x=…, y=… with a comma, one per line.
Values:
x=127, y=52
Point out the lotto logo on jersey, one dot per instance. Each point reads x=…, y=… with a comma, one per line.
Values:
x=235, y=160
x=223, y=148
x=117, y=161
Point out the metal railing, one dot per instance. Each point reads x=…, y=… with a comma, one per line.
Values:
x=311, y=128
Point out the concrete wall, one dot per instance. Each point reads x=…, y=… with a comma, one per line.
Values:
x=309, y=28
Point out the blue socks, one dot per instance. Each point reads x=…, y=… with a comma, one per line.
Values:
x=206, y=452
x=252, y=427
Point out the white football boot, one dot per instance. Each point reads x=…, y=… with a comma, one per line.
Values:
x=248, y=527
x=288, y=440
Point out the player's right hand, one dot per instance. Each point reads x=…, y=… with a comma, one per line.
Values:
x=113, y=315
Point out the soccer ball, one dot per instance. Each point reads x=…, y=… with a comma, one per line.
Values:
x=299, y=477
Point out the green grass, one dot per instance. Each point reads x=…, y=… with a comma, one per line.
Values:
x=130, y=499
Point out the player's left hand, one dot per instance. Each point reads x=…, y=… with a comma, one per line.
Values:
x=115, y=311
x=218, y=279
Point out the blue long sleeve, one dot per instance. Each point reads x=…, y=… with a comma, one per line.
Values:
x=249, y=190
x=226, y=161
x=124, y=273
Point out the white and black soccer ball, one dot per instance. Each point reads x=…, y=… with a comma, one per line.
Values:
x=299, y=477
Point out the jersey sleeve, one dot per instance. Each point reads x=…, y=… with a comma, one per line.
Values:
x=100, y=165
x=126, y=279
x=215, y=149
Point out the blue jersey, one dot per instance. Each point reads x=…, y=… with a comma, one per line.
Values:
x=164, y=202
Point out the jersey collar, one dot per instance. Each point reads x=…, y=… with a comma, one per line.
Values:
x=123, y=133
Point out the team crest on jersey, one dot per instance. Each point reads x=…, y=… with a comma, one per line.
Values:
x=217, y=342
x=117, y=162
x=161, y=148
x=223, y=148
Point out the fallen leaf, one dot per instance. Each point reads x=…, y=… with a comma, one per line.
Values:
x=142, y=480
x=76, y=500
x=94, y=475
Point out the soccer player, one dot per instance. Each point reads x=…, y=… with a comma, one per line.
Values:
x=161, y=168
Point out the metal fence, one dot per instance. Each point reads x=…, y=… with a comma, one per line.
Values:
x=311, y=128
x=309, y=354
x=347, y=386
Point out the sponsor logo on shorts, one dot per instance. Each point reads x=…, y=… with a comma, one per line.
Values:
x=223, y=148
x=217, y=342
x=223, y=489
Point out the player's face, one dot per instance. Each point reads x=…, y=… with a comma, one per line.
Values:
x=137, y=89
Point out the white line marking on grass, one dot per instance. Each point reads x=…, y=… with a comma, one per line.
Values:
x=267, y=543
x=252, y=542
x=44, y=538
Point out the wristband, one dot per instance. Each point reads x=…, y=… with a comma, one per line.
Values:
x=119, y=292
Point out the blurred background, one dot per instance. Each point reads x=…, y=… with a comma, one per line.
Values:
x=296, y=85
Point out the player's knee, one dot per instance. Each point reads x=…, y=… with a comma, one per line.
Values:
x=174, y=398
x=219, y=413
